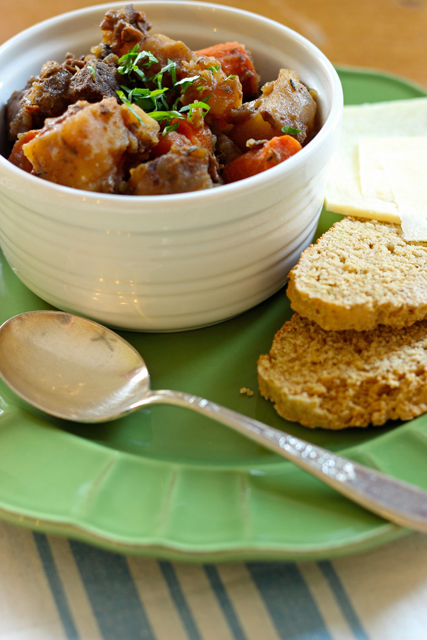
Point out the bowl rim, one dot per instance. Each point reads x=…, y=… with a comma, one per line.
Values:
x=263, y=180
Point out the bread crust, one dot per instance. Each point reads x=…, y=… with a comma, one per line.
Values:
x=345, y=379
x=361, y=274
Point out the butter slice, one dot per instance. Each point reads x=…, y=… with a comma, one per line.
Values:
x=406, y=172
x=375, y=198
x=374, y=180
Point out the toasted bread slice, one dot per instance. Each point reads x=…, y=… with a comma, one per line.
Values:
x=345, y=379
x=360, y=274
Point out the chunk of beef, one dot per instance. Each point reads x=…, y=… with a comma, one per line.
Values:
x=226, y=150
x=88, y=146
x=123, y=29
x=184, y=168
x=19, y=113
x=45, y=96
x=73, y=64
x=187, y=136
x=95, y=81
x=59, y=85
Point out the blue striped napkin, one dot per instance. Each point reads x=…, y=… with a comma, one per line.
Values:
x=55, y=589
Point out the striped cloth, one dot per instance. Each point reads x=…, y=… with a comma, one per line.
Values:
x=55, y=589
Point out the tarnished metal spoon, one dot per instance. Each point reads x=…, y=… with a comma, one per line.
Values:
x=76, y=369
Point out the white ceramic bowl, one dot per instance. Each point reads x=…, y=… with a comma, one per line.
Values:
x=167, y=263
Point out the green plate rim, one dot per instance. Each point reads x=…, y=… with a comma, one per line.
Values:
x=374, y=72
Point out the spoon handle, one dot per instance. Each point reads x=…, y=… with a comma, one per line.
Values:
x=392, y=499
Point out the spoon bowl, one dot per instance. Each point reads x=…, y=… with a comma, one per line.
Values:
x=76, y=369
x=70, y=367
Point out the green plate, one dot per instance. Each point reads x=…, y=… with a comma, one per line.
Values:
x=168, y=483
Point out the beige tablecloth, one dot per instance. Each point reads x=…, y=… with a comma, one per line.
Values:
x=55, y=589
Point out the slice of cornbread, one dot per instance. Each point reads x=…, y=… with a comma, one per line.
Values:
x=345, y=379
x=360, y=274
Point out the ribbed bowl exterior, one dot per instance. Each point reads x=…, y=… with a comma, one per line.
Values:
x=172, y=262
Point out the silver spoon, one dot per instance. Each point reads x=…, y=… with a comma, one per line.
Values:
x=76, y=369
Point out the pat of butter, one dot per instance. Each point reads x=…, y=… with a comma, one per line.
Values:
x=376, y=183
x=395, y=170
x=374, y=180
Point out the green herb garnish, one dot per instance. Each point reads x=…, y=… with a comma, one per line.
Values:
x=147, y=99
x=215, y=68
x=165, y=115
x=154, y=101
x=187, y=82
x=169, y=68
x=291, y=131
x=127, y=102
x=170, y=127
x=131, y=61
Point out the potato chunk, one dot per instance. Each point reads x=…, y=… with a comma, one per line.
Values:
x=87, y=148
x=235, y=60
x=221, y=92
x=286, y=102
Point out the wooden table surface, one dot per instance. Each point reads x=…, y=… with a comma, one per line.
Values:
x=390, y=35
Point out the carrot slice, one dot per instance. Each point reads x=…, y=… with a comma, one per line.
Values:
x=255, y=161
x=17, y=155
x=185, y=132
x=166, y=142
x=235, y=60
x=202, y=137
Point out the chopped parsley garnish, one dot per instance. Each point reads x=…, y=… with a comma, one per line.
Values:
x=127, y=102
x=291, y=131
x=170, y=127
x=201, y=104
x=165, y=115
x=215, y=68
x=155, y=101
x=147, y=99
x=198, y=104
x=130, y=63
x=186, y=82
